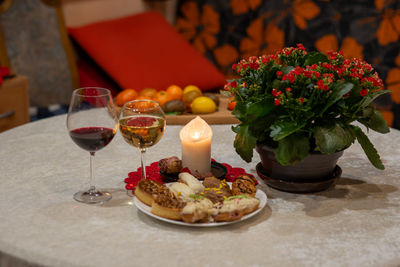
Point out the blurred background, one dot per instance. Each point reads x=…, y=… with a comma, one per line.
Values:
x=52, y=47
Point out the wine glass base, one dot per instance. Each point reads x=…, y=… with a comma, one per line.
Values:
x=96, y=197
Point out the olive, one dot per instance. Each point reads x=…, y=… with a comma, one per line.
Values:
x=174, y=106
x=214, y=97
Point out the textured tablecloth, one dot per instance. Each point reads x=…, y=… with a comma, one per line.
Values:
x=357, y=223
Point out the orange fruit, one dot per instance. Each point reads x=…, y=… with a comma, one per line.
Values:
x=141, y=104
x=145, y=104
x=189, y=88
x=125, y=96
x=140, y=97
x=188, y=97
x=175, y=92
x=150, y=93
x=231, y=103
x=202, y=105
x=162, y=97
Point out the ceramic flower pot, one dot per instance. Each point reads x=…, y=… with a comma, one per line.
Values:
x=315, y=173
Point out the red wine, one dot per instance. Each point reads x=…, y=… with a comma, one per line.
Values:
x=92, y=138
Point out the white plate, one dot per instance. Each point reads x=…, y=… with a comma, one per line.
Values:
x=147, y=210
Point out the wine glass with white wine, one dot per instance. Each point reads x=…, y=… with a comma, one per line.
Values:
x=142, y=124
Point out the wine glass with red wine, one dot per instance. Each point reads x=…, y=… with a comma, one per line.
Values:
x=142, y=124
x=92, y=124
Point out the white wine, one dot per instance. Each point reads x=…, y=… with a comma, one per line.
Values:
x=142, y=131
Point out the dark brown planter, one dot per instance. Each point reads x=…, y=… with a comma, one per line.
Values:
x=315, y=173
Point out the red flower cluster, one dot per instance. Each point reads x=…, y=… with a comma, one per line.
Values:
x=294, y=77
x=321, y=85
x=230, y=85
x=276, y=92
x=287, y=51
x=332, y=55
x=253, y=63
x=307, y=72
x=265, y=59
x=337, y=69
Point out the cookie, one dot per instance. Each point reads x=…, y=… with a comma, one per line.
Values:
x=244, y=185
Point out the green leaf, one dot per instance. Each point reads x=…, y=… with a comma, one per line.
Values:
x=240, y=110
x=368, y=148
x=333, y=138
x=292, y=149
x=260, y=109
x=236, y=128
x=374, y=120
x=368, y=99
x=314, y=58
x=281, y=129
x=338, y=92
x=225, y=93
x=249, y=112
x=244, y=142
x=278, y=84
x=287, y=69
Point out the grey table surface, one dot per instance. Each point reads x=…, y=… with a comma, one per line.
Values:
x=356, y=223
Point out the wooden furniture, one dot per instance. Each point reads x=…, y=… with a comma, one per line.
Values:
x=14, y=102
x=222, y=116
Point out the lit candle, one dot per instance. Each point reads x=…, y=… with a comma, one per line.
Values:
x=196, y=146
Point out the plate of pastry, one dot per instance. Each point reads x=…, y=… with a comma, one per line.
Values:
x=208, y=203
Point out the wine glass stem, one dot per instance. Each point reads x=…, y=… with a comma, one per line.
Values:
x=92, y=188
x=142, y=163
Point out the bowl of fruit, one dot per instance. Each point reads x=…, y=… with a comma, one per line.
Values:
x=182, y=104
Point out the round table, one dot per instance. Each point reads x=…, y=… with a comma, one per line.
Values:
x=356, y=223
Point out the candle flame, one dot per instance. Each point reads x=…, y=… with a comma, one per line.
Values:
x=196, y=130
x=196, y=135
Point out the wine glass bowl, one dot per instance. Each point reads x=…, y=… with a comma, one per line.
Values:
x=92, y=124
x=92, y=138
x=142, y=124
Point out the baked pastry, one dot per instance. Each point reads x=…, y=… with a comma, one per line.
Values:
x=216, y=190
x=213, y=182
x=202, y=176
x=234, y=208
x=214, y=194
x=247, y=178
x=147, y=190
x=197, y=210
x=244, y=185
x=168, y=207
x=191, y=181
x=181, y=191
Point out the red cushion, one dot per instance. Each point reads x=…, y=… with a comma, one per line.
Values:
x=90, y=76
x=145, y=51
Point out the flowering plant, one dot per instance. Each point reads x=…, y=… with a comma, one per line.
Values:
x=298, y=103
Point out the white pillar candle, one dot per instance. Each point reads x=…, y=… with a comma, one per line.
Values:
x=196, y=146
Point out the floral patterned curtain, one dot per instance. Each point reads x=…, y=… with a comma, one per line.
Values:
x=227, y=30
